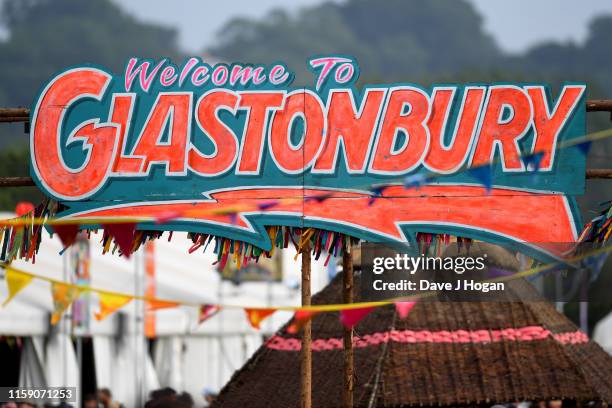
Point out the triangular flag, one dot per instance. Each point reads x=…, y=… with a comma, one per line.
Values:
x=584, y=147
x=414, y=180
x=256, y=316
x=267, y=205
x=63, y=295
x=110, y=303
x=484, y=174
x=124, y=236
x=532, y=161
x=593, y=264
x=167, y=216
x=206, y=312
x=23, y=207
x=16, y=281
x=403, y=308
x=67, y=233
x=376, y=192
x=153, y=305
x=350, y=317
x=300, y=318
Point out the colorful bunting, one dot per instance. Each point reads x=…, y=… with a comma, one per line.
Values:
x=484, y=174
x=63, y=295
x=16, y=281
x=403, y=308
x=350, y=317
x=110, y=303
x=256, y=316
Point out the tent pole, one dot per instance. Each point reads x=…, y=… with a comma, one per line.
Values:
x=306, y=353
x=347, y=297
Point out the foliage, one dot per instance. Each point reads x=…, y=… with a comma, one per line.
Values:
x=46, y=36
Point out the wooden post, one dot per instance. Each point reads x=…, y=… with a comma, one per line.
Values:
x=306, y=353
x=347, y=297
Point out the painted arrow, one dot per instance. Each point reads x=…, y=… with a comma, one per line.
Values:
x=538, y=221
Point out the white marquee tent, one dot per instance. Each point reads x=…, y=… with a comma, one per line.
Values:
x=185, y=356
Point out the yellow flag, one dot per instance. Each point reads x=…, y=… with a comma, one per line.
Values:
x=63, y=296
x=16, y=280
x=109, y=303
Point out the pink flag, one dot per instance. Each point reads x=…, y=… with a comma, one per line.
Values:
x=350, y=317
x=403, y=308
x=167, y=216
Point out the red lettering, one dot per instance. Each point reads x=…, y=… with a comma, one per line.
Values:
x=548, y=125
x=497, y=130
x=175, y=109
x=449, y=158
x=121, y=114
x=225, y=141
x=294, y=159
x=386, y=159
x=251, y=149
x=354, y=130
x=99, y=139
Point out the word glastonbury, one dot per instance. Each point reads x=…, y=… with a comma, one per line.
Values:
x=368, y=133
x=163, y=138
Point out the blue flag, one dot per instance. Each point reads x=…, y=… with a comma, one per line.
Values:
x=484, y=174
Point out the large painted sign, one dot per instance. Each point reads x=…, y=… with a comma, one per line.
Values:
x=186, y=138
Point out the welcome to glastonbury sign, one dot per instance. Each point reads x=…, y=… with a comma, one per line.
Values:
x=162, y=137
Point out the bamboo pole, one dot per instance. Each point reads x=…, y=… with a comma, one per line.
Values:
x=347, y=297
x=306, y=353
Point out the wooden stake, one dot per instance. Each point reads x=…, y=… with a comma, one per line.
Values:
x=306, y=353
x=347, y=297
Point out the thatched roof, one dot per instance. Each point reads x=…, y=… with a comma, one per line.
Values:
x=443, y=353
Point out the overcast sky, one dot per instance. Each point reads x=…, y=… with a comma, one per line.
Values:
x=516, y=24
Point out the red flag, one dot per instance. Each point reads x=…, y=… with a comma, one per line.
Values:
x=123, y=235
x=300, y=318
x=256, y=316
x=23, y=207
x=403, y=308
x=67, y=233
x=350, y=317
x=206, y=312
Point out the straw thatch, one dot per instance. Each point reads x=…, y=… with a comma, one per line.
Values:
x=443, y=353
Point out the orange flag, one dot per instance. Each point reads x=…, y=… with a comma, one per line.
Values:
x=153, y=305
x=256, y=316
x=110, y=303
x=63, y=295
x=16, y=281
x=300, y=318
